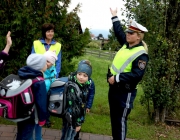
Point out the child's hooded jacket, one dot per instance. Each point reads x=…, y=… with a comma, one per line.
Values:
x=38, y=89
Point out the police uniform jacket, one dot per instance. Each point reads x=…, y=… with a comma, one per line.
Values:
x=127, y=81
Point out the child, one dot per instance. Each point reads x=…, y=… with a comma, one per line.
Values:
x=36, y=65
x=49, y=75
x=90, y=96
x=76, y=108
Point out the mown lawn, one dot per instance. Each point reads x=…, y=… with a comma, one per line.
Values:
x=98, y=121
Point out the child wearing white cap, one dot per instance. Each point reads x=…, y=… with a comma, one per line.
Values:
x=36, y=65
x=49, y=75
x=126, y=72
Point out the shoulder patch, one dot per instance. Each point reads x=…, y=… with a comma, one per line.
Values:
x=142, y=64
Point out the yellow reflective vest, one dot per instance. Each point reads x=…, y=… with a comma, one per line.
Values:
x=40, y=49
x=124, y=58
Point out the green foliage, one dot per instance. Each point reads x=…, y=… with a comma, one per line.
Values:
x=25, y=18
x=94, y=44
x=100, y=35
x=161, y=81
x=113, y=43
x=87, y=35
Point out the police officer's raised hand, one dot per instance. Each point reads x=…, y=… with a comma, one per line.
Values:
x=111, y=80
x=113, y=12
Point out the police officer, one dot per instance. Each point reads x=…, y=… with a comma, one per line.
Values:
x=126, y=72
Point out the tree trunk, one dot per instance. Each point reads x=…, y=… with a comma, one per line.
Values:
x=163, y=114
x=160, y=114
x=156, y=115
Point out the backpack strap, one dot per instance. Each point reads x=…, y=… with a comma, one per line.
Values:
x=18, y=120
x=78, y=91
x=37, y=79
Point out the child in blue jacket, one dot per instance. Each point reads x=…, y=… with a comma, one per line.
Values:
x=49, y=76
x=50, y=73
x=36, y=65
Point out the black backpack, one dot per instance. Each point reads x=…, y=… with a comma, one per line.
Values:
x=74, y=103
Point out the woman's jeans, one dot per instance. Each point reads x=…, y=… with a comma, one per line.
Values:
x=68, y=133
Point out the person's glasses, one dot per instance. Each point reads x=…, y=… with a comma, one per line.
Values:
x=131, y=33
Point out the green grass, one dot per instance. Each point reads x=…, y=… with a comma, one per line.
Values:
x=98, y=120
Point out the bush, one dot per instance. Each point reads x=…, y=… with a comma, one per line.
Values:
x=93, y=44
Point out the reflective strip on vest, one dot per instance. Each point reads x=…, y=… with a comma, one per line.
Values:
x=124, y=58
x=40, y=48
x=127, y=62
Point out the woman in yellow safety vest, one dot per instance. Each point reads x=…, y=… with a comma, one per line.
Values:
x=44, y=44
x=126, y=72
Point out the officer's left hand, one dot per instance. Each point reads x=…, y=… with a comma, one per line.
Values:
x=111, y=80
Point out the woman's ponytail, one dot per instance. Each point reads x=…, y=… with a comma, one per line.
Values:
x=145, y=46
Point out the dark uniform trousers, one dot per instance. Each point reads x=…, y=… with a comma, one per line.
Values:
x=120, y=103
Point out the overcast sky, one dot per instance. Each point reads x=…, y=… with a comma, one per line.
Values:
x=95, y=14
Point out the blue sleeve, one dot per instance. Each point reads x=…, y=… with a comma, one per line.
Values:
x=118, y=30
x=32, y=51
x=40, y=96
x=58, y=64
x=91, y=94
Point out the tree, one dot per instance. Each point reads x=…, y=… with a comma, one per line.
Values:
x=162, y=79
x=24, y=19
x=113, y=43
x=87, y=35
x=100, y=37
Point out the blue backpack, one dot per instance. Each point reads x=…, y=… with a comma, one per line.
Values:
x=59, y=96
